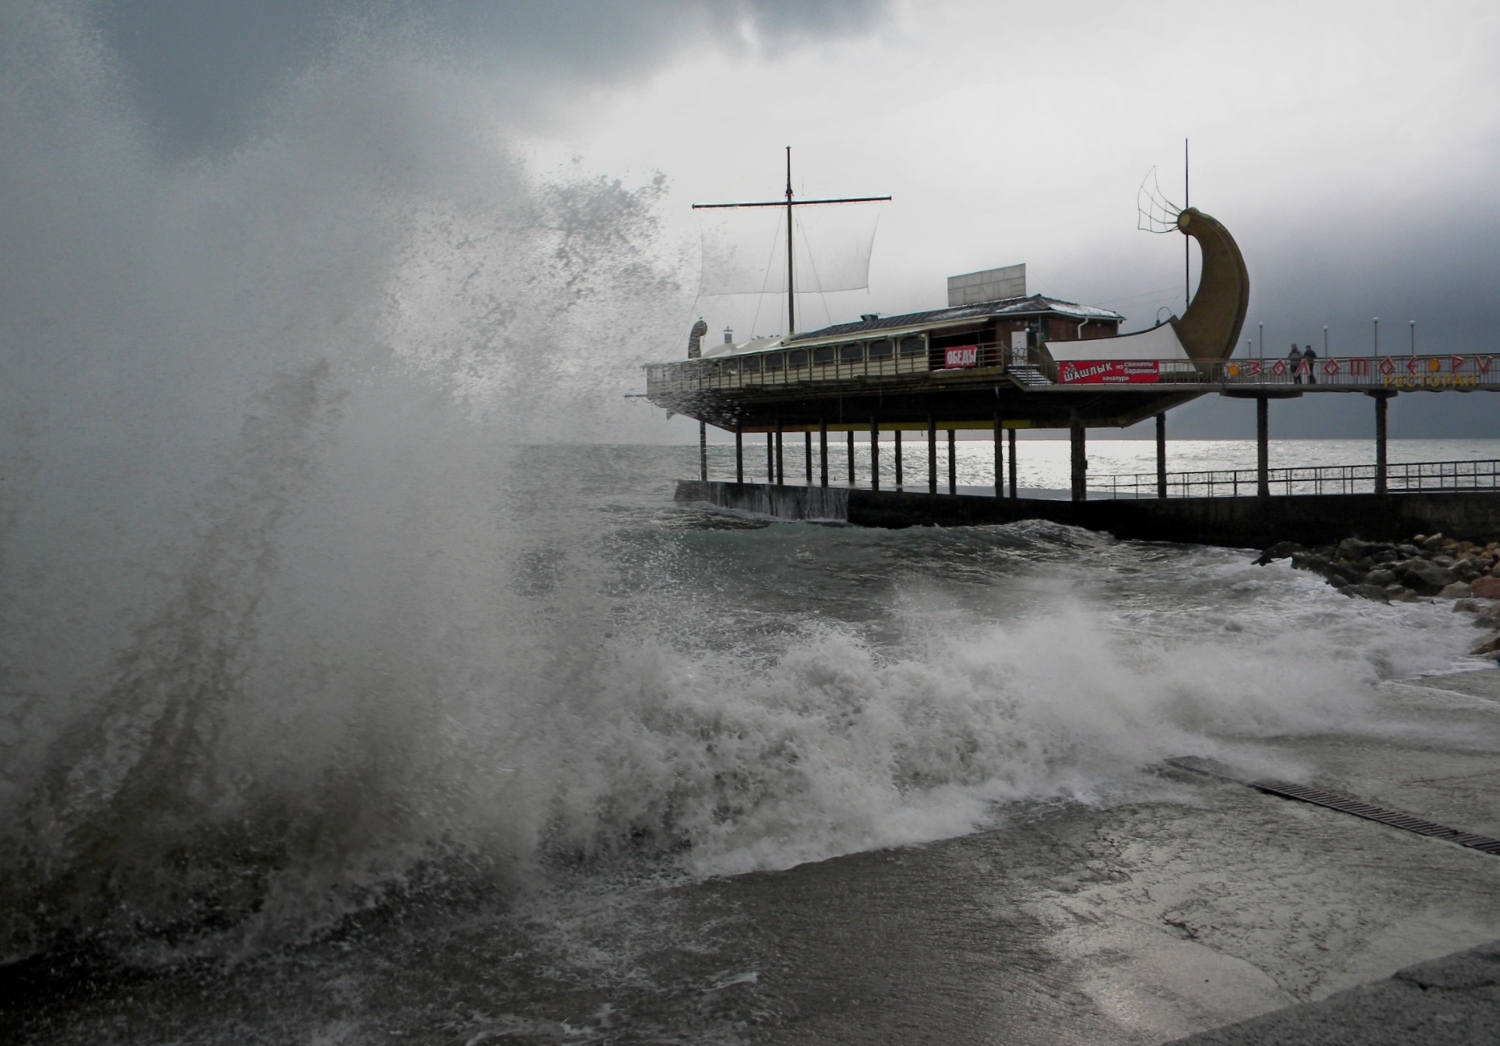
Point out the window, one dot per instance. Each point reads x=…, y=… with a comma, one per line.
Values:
x=915, y=345
x=751, y=365
x=797, y=358
x=731, y=366
x=852, y=353
x=823, y=354
x=880, y=350
x=773, y=361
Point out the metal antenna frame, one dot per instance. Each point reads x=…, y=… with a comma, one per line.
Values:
x=1154, y=212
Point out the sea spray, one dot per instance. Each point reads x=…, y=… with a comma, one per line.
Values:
x=261, y=662
x=299, y=621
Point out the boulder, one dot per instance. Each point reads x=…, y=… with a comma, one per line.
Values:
x=1383, y=578
x=1355, y=553
x=1311, y=561
x=1457, y=590
x=1346, y=572
x=1423, y=577
x=1467, y=569
x=1488, y=645
x=1486, y=587
x=1399, y=594
x=1432, y=544
x=1280, y=550
x=1374, y=592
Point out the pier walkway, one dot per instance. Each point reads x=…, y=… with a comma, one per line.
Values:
x=1235, y=522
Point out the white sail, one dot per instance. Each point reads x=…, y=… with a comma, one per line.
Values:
x=744, y=248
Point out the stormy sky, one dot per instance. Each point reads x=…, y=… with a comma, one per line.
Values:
x=1351, y=148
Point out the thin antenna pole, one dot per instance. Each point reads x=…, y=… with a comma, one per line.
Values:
x=1186, y=252
x=791, y=286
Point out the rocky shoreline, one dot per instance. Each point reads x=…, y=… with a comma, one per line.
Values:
x=1426, y=567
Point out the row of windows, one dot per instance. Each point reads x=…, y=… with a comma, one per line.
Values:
x=822, y=356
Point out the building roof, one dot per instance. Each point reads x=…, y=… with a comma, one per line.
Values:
x=1035, y=305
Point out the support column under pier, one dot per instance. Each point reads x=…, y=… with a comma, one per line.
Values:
x=703, y=451
x=898, y=459
x=823, y=452
x=807, y=452
x=851, y=457
x=1382, y=400
x=1080, y=461
x=770, y=457
x=1161, y=455
x=739, y=456
x=1262, y=447
x=874, y=454
x=780, y=470
x=952, y=465
x=931, y=456
x=999, y=458
x=1010, y=437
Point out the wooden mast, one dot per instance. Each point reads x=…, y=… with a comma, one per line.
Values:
x=791, y=282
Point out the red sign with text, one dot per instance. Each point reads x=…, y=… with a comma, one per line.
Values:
x=961, y=356
x=1109, y=372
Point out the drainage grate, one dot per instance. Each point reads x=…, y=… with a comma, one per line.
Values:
x=1394, y=818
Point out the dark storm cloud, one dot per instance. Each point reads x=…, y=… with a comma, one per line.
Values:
x=199, y=67
x=1434, y=263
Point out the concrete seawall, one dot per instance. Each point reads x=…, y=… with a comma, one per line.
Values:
x=1238, y=522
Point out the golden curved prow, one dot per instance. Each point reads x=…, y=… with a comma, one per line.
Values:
x=1210, y=328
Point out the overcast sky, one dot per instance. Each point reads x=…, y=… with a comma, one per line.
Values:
x=1351, y=148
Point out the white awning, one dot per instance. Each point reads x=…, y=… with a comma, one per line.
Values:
x=1158, y=343
x=740, y=348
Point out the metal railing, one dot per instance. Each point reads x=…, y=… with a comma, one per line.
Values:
x=773, y=369
x=1404, y=477
x=1392, y=372
x=1364, y=372
x=798, y=366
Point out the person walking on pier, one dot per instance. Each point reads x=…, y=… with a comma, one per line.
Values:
x=1309, y=360
x=1294, y=359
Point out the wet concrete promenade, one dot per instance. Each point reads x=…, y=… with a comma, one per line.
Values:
x=1148, y=921
x=1453, y=1000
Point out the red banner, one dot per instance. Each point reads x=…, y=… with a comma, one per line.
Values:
x=1109, y=372
x=961, y=356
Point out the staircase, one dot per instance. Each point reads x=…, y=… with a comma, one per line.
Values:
x=1027, y=376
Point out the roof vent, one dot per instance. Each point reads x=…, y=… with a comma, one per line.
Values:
x=728, y=336
x=989, y=285
x=866, y=317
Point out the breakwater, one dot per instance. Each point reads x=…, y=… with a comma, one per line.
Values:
x=1235, y=522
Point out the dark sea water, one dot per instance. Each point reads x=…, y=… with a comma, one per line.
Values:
x=472, y=765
